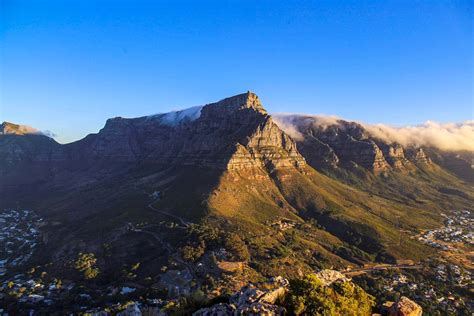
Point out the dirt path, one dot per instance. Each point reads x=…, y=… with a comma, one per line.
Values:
x=355, y=272
x=181, y=220
x=188, y=266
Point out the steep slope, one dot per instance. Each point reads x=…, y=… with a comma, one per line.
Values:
x=349, y=152
x=23, y=143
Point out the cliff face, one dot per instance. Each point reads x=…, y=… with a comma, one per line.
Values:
x=346, y=144
x=21, y=145
x=418, y=155
x=7, y=128
x=395, y=155
x=460, y=163
x=233, y=133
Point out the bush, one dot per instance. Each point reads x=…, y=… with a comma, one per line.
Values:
x=193, y=253
x=85, y=264
x=309, y=296
x=237, y=247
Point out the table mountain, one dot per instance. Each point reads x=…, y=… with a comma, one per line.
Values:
x=183, y=185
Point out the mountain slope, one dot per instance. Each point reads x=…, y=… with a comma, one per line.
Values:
x=165, y=188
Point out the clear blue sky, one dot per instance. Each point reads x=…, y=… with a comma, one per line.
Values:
x=67, y=66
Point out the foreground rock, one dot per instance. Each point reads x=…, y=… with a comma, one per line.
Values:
x=252, y=300
x=405, y=307
x=220, y=309
x=328, y=277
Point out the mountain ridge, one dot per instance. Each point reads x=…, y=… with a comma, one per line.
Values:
x=232, y=168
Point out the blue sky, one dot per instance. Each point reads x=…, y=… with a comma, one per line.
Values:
x=67, y=66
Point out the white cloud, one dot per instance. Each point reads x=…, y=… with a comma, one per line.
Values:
x=445, y=136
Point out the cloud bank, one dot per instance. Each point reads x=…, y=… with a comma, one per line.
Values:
x=444, y=136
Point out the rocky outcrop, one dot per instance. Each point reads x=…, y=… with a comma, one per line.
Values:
x=252, y=300
x=405, y=307
x=328, y=277
x=317, y=153
x=395, y=156
x=274, y=289
x=350, y=143
x=418, y=155
x=329, y=144
x=269, y=145
x=220, y=309
x=260, y=309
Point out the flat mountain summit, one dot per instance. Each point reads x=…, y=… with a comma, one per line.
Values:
x=7, y=128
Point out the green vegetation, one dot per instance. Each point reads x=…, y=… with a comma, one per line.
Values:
x=193, y=253
x=237, y=247
x=309, y=296
x=85, y=264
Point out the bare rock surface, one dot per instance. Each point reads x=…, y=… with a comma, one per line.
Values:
x=252, y=300
x=337, y=143
x=405, y=307
x=330, y=276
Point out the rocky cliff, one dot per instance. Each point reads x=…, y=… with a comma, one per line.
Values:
x=233, y=133
x=19, y=143
x=7, y=128
x=339, y=143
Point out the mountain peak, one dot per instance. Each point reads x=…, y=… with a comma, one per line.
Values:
x=8, y=128
x=245, y=100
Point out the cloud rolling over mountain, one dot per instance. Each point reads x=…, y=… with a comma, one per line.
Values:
x=444, y=136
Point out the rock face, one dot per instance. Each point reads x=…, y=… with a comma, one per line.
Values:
x=405, y=307
x=8, y=128
x=25, y=144
x=252, y=300
x=418, y=155
x=395, y=156
x=339, y=143
x=250, y=294
x=346, y=143
x=233, y=133
x=220, y=309
x=460, y=163
x=328, y=277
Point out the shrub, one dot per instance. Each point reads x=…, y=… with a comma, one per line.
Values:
x=309, y=296
x=237, y=247
x=193, y=253
x=85, y=264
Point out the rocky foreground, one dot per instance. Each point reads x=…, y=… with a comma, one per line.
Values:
x=278, y=296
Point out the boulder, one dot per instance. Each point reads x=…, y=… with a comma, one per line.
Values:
x=131, y=310
x=260, y=309
x=220, y=309
x=328, y=276
x=405, y=307
x=252, y=300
